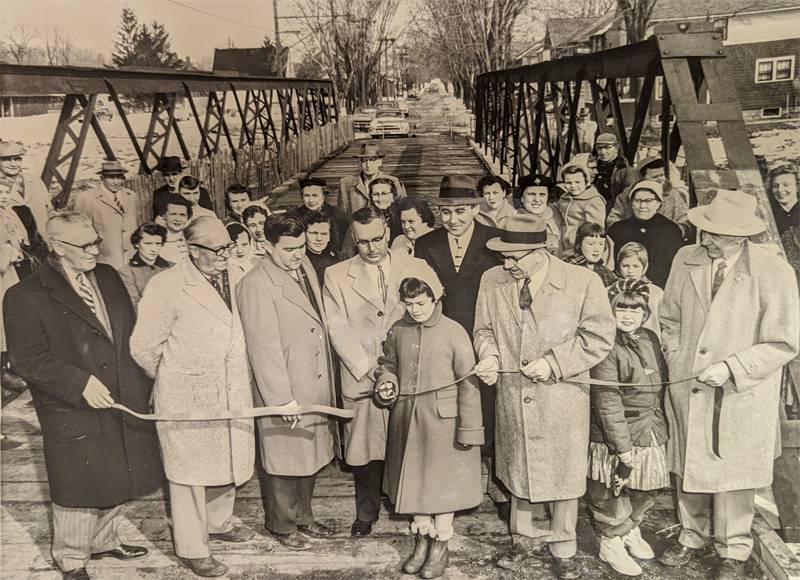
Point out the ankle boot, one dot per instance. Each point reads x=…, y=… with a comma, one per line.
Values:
x=417, y=558
x=438, y=559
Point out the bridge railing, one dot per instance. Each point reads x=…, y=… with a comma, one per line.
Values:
x=286, y=124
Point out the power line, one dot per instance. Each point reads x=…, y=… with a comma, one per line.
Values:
x=217, y=16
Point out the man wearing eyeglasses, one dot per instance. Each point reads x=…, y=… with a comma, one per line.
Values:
x=67, y=327
x=189, y=337
x=362, y=301
x=280, y=302
x=658, y=234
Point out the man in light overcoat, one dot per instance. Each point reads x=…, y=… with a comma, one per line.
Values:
x=280, y=302
x=730, y=318
x=188, y=336
x=354, y=189
x=112, y=208
x=362, y=301
x=552, y=321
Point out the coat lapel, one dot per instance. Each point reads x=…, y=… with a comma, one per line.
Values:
x=106, y=197
x=699, y=266
x=116, y=317
x=553, y=282
x=63, y=292
x=363, y=284
x=289, y=286
x=508, y=289
x=204, y=293
x=440, y=252
x=471, y=259
x=738, y=276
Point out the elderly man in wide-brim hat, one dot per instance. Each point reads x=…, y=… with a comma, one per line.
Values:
x=730, y=317
x=23, y=187
x=541, y=321
x=354, y=189
x=457, y=253
x=112, y=208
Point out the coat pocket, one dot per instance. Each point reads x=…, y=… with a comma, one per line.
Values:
x=447, y=409
x=69, y=425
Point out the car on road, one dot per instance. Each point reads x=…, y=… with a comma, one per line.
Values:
x=392, y=107
x=362, y=117
x=389, y=124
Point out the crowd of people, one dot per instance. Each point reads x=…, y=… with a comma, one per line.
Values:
x=567, y=338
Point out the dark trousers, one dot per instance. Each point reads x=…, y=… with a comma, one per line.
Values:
x=368, y=480
x=287, y=502
x=616, y=516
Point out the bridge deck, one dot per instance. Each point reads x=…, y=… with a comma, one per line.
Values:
x=480, y=535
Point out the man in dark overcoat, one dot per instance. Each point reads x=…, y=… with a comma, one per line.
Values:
x=67, y=327
x=457, y=253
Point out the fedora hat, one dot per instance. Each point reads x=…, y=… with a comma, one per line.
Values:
x=10, y=149
x=170, y=164
x=112, y=168
x=369, y=150
x=457, y=190
x=520, y=232
x=730, y=213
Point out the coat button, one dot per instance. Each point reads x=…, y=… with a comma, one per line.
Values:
x=313, y=330
x=103, y=366
x=703, y=351
x=526, y=400
x=524, y=363
x=695, y=390
x=380, y=312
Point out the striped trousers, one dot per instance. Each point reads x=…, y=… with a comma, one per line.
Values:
x=80, y=532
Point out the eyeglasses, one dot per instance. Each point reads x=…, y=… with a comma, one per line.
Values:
x=221, y=251
x=382, y=194
x=646, y=201
x=517, y=258
x=373, y=242
x=84, y=247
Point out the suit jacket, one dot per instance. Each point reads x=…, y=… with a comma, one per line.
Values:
x=289, y=352
x=359, y=320
x=753, y=325
x=113, y=225
x=460, y=288
x=193, y=345
x=94, y=458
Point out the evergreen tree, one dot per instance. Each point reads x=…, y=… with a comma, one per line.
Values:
x=140, y=45
x=125, y=45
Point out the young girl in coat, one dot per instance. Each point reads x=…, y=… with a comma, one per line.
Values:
x=628, y=432
x=632, y=262
x=580, y=201
x=591, y=246
x=433, y=463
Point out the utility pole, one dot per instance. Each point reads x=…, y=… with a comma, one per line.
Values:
x=278, y=60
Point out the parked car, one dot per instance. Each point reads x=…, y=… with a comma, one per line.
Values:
x=390, y=107
x=389, y=124
x=362, y=117
x=401, y=102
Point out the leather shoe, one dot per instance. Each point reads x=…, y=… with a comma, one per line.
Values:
x=567, y=568
x=503, y=510
x=316, y=530
x=514, y=558
x=730, y=569
x=360, y=529
x=206, y=567
x=294, y=541
x=123, y=552
x=236, y=534
x=678, y=555
x=79, y=574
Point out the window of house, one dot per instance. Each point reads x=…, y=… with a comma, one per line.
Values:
x=721, y=24
x=770, y=70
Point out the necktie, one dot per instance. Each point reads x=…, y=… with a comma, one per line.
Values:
x=85, y=292
x=118, y=203
x=458, y=255
x=305, y=285
x=218, y=282
x=525, y=298
x=719, y=277
x=382, y=283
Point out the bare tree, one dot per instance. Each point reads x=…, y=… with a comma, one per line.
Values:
x=637, y=14
x=19, y=43
x=58, y=48
x=348, y=38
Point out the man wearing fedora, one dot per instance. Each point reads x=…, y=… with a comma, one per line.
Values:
x=730, y=317
x=171, y=169
x=112, y=209
x=457, y=253
x=354, y=189
x=22, y=187
x=552, y=321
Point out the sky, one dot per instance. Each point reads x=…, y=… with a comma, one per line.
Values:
x=92, y=24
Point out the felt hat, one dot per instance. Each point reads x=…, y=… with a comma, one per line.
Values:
x=457, y=190
x=312, y=181
x=112, y=168
x=730, y=213
x=647, y=162
x=369, y=150
x=653, y=187
x=520, y=232
x=170, y=164
x=606, y=139
x=10, y=149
